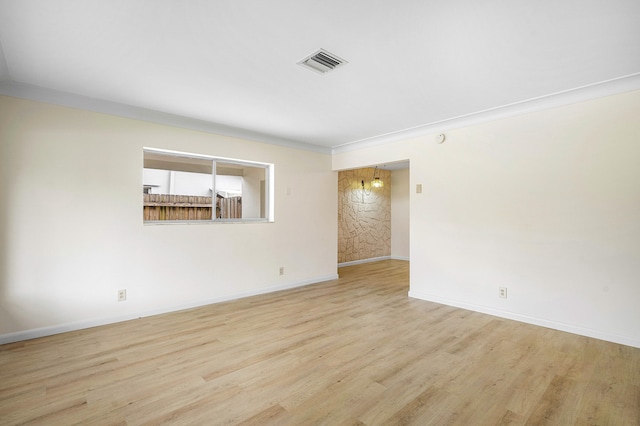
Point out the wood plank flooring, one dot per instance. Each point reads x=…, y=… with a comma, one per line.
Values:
x=355, y=351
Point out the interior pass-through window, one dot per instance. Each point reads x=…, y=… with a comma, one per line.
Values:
x=184, y=187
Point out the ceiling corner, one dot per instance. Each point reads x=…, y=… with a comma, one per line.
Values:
x=41, y=94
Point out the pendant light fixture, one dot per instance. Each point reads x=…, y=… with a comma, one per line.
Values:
x=376, y=182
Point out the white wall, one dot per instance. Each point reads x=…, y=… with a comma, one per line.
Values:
x=229, y=185
x=400, y=214
x=546, y=204
x=161, y=179
x=72, y=232
x=188, y=183
x=251, y=192
x=180, y=183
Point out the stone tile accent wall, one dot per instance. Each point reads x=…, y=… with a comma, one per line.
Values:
x=364, y=217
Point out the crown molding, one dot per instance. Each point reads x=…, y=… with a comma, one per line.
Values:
x=41, y=94
x=579, y=94
x=593, y=91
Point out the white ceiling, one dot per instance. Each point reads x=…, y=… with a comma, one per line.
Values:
x=412, y=64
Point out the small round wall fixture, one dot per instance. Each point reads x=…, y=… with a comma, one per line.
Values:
x=440, y=138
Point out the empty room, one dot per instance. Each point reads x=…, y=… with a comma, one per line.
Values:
x=302, y=212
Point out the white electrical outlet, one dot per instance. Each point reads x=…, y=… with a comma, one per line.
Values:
x=502, y=292
x=282, y=270
x=122, y=295
x=418, y=188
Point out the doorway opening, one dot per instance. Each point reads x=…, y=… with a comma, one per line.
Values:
x=373, y=213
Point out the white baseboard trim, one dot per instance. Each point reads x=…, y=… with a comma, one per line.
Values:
x=357, y=262
x=400, y=258
x=80, y=325
x=569, y=328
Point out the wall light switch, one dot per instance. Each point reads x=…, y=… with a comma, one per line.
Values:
x=419, y=188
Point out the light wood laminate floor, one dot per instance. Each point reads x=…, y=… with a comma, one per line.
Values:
x=348, y=352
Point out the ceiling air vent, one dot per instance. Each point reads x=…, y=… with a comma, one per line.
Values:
x=322, y=61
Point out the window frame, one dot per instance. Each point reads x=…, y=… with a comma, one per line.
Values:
x=269, y=184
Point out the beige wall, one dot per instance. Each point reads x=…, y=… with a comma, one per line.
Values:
x=400, y=214
x=364, y=217
x=72, y=235
x=544, y=203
